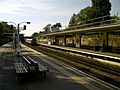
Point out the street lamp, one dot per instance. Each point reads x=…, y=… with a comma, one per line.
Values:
x=18, y=35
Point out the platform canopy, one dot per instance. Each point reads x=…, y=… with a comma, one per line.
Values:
x=110, y=28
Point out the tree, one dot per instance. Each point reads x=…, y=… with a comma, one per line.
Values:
x=35, y=34
x=40, y=35
x=85, y=14
x=119, y=19
x=5, y=28
x=73, y=20
x=99, y=8
x=103, y=7
x=47, y=28
x=56, y=27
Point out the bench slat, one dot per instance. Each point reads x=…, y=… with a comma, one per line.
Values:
x=19, y=68
x=26, y=60
x=31, y=60
x=40, y=67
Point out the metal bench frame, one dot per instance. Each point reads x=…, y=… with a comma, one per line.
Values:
x=20, y=70
x=34, y=68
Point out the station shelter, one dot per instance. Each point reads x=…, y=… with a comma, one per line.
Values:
x=98, y=38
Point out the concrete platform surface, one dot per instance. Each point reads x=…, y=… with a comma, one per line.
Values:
x=59, y=77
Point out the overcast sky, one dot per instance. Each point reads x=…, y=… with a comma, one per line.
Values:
x=42, y=12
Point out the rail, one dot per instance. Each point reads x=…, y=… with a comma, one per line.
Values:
x=87, y=54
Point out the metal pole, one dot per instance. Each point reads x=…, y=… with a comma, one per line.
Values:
x=117, y=18
x=13, y=40
x=17, y=37
x=18, y=42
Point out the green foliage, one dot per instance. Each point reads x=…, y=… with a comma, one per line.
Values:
x=118, y=19
x=5, y=28
x=47, y=28
x=56, y=27
x=40, y=35
x=52, y=28
x=86, y=14
x=103, y=7
x=73, y=20
x=35, y=34
x=99, y=8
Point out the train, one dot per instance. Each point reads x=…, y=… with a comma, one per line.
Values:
x=34, y=42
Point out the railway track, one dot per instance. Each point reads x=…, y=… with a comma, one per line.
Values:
x=108, y=73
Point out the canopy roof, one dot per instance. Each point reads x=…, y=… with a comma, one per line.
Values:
x=110, y=28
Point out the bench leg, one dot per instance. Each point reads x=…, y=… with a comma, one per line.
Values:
x=44, y=75
x=19, y=77
x=41, y=75
x=22, y=77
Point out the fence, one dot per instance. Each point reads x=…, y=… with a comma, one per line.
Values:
x=96, y=22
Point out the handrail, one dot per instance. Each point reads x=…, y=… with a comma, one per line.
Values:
x=92, y=23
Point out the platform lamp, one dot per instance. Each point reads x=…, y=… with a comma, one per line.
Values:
x=18, y=35
x=18, y=50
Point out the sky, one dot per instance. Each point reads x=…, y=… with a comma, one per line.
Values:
x=43, y=12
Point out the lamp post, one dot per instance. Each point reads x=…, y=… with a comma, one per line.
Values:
x=14, y=35
x=18, y=36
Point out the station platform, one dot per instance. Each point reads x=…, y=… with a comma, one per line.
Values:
x=59, y=77
x=97, y=53
x=84, y=50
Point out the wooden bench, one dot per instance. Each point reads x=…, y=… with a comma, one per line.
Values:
x=26, y=60
x=20, y=70
x=40, y=69
x=30, y=69
x=33, y=62
x=39, y=66
x=27, y=63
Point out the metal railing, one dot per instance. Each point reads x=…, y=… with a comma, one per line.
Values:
x=96, y=22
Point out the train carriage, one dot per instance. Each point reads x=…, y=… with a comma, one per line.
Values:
x=34, y=42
